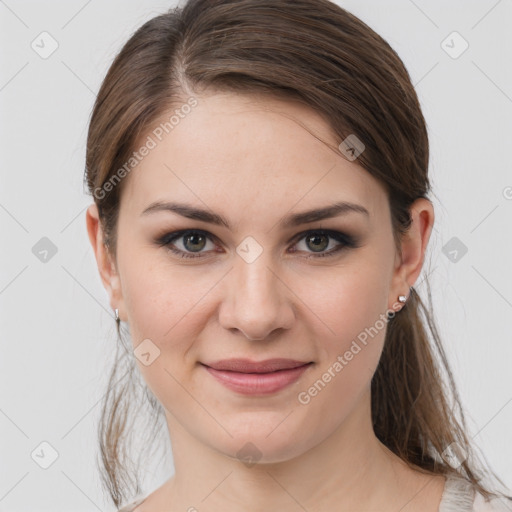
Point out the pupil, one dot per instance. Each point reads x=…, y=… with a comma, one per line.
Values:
x=193, y=237
x=316, y=238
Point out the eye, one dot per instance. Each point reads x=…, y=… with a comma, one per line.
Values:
x=318, y=242
x=193, y=241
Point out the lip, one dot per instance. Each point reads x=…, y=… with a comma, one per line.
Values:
x=248, y=366
x=257, y=378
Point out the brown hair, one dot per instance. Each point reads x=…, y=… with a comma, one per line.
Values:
x=318, y=53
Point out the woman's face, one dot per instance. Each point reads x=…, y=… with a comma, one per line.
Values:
x=261, y=287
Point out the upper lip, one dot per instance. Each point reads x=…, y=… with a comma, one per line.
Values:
x=248, y=366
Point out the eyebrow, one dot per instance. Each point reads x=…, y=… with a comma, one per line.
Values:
x=296, y=219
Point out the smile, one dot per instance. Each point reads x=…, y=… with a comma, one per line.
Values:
x=258, y=383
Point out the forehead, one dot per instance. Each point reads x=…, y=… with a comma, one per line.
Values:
x=243, y=151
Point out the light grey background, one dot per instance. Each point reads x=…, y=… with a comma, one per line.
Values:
x=57, y=330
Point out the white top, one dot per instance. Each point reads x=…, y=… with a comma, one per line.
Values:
x=458, y=496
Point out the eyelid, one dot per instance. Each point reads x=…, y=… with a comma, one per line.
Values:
x=345, y=240
x=172, y=235
x=168, y=237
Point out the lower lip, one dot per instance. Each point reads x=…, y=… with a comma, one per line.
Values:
x=258, y=383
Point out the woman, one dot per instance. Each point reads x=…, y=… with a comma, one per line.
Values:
x=259, y=171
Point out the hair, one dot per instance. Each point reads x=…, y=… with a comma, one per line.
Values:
x=317, y=53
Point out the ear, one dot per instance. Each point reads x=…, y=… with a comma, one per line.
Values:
x=414, y=245
x=106, y=265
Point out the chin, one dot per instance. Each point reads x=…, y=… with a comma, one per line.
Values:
x=255, y=445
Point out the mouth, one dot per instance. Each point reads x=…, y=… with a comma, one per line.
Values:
x=257, y=378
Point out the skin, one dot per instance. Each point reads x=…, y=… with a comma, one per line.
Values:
x=248, y=158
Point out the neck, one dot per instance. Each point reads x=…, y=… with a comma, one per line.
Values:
x=349, y=470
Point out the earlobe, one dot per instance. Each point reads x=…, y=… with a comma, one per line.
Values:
x=106, y=267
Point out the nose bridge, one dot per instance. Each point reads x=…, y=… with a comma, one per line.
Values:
x=252, y=267
x=257, y=302
x=255, y=283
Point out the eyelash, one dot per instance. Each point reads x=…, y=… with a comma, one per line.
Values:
x=345, y=240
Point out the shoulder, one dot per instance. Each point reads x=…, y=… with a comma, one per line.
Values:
x=131, y=506
x=158, y=499
x=460, y=496
x=494, y=505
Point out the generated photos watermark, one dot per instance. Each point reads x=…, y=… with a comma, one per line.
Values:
x=151, y=142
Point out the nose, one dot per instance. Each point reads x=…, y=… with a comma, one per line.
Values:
x=257, y=301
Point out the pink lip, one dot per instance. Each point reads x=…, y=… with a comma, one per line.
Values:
x=248, y=366
x=257, y=378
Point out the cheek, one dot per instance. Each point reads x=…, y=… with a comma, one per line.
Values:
x=347, y=301
x=351, y=305
x=164, y=312
x=157, y=294
x=166, y=305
